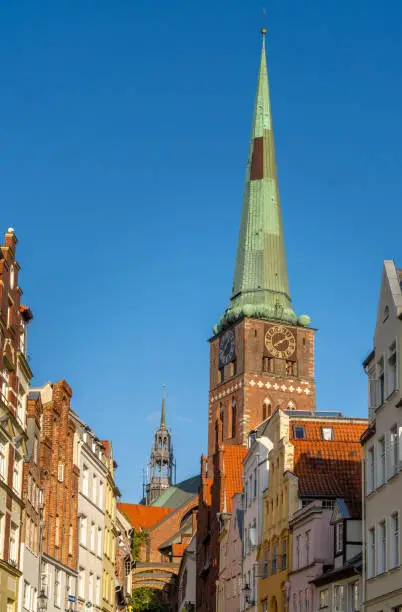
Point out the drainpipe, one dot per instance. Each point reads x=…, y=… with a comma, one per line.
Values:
x=257, y=526
x=363, y=536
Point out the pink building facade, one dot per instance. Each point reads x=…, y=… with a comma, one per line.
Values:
x=229, y=585
x=312, y=553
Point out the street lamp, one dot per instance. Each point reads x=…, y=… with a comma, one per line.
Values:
x=42, y=601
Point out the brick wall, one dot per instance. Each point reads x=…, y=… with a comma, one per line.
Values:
x=60, y=476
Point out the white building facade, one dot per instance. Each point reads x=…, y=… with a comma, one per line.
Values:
x=255, y=470
x=382, y=499
x=91, y=514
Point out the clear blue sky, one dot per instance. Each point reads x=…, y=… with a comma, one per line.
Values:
x=124, y=137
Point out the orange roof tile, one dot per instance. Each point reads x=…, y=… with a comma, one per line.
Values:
x=105, y=443
x=329, y=468
x=233, y=456
x=143, y=516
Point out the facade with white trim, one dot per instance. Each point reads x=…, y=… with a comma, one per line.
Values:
x=382, y=578
x=91, y=515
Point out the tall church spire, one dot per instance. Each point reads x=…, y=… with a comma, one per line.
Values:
x=163, y=409
x=261, y=286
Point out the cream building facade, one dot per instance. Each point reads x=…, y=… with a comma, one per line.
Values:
x=255, y=466
x=110, y=534
x=91, y=514
x=382, y=580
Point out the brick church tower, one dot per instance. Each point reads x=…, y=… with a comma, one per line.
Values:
x=261, y=353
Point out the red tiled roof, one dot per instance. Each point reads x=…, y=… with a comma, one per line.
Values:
x=143, y=516
x=233, y=456
x=329, y=468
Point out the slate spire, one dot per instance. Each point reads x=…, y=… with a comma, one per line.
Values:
x=261, y=285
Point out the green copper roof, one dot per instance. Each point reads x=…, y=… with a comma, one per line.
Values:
x=261, y=286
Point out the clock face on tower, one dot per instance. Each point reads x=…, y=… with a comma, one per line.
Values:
x=280, y=342
x=227, y=348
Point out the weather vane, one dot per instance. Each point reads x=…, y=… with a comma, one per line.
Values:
x=264, y=22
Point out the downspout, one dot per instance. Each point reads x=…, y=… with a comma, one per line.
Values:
x=257, y=527
x=363, y=534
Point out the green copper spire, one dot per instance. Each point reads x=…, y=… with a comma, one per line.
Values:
x=163, y=410
x=261, y=286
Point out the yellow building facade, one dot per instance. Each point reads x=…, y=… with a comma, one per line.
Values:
x=110, y=534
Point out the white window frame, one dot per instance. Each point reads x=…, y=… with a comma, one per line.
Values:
x=372, y=552
x=382, y=547
x=382, y=461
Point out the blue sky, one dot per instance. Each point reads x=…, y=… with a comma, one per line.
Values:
x=124, y=138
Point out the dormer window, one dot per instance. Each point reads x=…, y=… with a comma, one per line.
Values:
x=299, y=432
x=327, y=433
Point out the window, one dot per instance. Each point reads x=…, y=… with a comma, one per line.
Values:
x=284, y=550
x=301, y=601
x=100, y=493
x=221, y=375
x=57, y=532
x=339, y=537
x=94, y=487
x=16, y=473
x=371, y=553
x=91, y=587
x=354, y=598
x=339, y=598
x=35, y=450
x=290, y=368
x=274, y=558
x=395, y=540
x=391, y=369
x=381, y=461
x=308, y=547
x=27, y=595
x=81, y=582
x=34, y=597
x=83, y=530
x=99, y=542
x=13, y=552
x=298, y=432
x=307, y=600
x=85, y=480
x=382, y=561
x=324, y=598
x=57, y=588
x=268, y=364
x=265, y=563
x=298, y=551
x=233, y=368
x=92, y=537
x=5, y=386
x=60, y=472
x=70, y=540
x=394, y=450
x=97, y=590
x=327, y=433
x=380, y=370
x=234, y=417
x=3, y=458
x=370, y=470
x=255, y=484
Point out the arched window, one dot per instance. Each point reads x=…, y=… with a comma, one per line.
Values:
x=216, y=434
x=266, y=409
x=234, y=418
